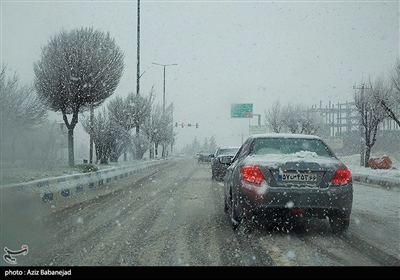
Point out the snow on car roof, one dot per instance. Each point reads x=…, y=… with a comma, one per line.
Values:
x=285, y=135
x=274, y=160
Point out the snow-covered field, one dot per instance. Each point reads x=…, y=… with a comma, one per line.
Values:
x=353, y=162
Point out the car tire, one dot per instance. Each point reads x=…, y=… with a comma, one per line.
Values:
x=233, y=216
x=226, y=206
x=339, y=224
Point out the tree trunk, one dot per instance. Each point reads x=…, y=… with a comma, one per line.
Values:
x=103, y=160
x=71, y=160
x=151, y=151
x=367, y=155
x=137, y=143
x=13, y=150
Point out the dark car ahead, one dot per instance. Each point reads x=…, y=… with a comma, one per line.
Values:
x=204, y=156
x=287, y=175
x=221, y=159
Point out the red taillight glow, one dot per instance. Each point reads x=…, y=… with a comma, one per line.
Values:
x=298, y=211
x=252, y=174
x=342, y=176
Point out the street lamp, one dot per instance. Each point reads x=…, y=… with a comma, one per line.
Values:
x=164, y=65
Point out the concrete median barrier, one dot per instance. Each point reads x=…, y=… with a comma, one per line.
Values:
x=77, y=187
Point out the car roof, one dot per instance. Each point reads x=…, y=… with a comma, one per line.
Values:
x=285, y=135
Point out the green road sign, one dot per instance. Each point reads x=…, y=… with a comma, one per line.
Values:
x=242, y=110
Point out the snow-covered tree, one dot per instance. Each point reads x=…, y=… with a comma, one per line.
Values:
x=42, y=148
x=21, y=111
x=138, y=112
x=78, y=70
x=167, y=131
x=391, y=101
x=274, y=117
x=293, y=118
x=152, y=127
x=158, y=128
x=138, y=108
x=109, y=137
x=196, y=144
x=213, y=143
x=119, y=112
x=206, y=145
x=367, y=101
x=140, y=144
x=310, y=122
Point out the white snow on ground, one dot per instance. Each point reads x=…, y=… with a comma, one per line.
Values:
x=353, y=163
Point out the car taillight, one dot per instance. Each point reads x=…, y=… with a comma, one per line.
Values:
x=252, y=174
x=342, y=176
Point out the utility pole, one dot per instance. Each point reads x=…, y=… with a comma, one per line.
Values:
x=259, y=118
x=91, y=135
x=138, y=76
x=361, y=126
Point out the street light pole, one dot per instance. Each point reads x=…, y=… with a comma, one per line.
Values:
x=163, y=111
x=164, y=65
x=137, y=75
x=259, y=118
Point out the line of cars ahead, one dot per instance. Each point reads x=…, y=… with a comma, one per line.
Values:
x=272, y=177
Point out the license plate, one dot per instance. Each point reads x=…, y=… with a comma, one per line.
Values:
x=304, y=177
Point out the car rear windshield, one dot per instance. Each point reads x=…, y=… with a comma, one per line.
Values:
x=289, y=146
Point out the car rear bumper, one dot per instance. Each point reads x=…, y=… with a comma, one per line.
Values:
x=307, y=202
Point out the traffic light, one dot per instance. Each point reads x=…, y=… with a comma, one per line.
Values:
x=197, y=125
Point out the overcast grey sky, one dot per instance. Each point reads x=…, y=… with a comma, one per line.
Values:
x=226, y=51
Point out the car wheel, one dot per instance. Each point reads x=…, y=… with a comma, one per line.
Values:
x=339, y=224
x=233, y=216
x=226, y=206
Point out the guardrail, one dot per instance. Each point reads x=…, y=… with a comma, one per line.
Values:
x=88, y=184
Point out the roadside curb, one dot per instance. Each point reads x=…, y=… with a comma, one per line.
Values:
x=371, y=180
